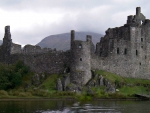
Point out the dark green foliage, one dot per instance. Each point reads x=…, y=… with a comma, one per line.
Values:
x=11, y=75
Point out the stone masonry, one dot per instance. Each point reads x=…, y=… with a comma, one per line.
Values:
x=123, y=50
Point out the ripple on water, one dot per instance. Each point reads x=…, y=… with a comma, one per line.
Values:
x=86, y=108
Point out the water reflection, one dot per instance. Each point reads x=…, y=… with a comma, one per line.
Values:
x=59, y=106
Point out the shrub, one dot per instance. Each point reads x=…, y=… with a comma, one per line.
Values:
x=42, y=93
x=25, y=94
x=11, y=75
x=3, y=93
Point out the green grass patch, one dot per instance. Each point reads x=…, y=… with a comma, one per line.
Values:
x=133, y=90
x=116, y=78
x=126, y=86
x=50, y=83
x=109, y=76
x=137, y=81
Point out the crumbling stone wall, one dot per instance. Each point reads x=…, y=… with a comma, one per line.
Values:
x=30, y=49
x=47, y=62
x=40, y=60
x=15, y=48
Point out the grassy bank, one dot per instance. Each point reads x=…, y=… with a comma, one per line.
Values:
x=126, y=88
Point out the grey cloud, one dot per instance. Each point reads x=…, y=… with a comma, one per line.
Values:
x=81, y=15
x=45, y=5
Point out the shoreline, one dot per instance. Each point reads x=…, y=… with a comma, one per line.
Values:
x=69, y=99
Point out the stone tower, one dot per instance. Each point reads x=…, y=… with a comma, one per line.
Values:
x=6, y=46
x=80, y=64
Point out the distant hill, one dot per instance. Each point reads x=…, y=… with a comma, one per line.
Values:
x=62, y=41
x=1, y=42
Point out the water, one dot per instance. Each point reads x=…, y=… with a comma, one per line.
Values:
x=60, y=106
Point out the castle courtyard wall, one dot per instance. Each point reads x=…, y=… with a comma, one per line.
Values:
x=50, y=62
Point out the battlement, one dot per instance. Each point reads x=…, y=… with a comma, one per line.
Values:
x=135, y=20
x=31, y=49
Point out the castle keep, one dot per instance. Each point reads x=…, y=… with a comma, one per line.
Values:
x=123, y=50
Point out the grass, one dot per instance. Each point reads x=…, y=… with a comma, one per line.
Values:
x=113, y=78
x=109, y=76
x=48, y=88
x=129, y=86
x=50, y=83
x=133, y=90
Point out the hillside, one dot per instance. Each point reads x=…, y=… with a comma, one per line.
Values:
x=1, y=42
x=62, y=41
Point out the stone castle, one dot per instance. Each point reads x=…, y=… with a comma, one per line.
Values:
x=123, y=50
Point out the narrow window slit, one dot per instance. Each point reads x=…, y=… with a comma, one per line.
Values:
x=125, y=51
x=136, y=52
x=141, y=39
x=80, y=59
x=117, y=50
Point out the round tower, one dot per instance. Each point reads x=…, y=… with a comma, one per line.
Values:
x=80, y=66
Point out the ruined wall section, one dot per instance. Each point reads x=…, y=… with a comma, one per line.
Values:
x=29, y=49
x=50, y=62
x=106, y=44
x=40, y=60
x=121, y=52
x=15, y=48
x=117, y=42
x=125, y=50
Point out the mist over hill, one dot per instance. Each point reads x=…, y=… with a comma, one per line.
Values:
x=62, y=41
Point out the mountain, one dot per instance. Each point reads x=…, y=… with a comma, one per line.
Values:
x=62, y=41
x=1, y=42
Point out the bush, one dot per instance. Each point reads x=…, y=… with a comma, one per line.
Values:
x=25, y=94
x=42, y=93
x=117, y=95
x=3, y=93
x=11, y=75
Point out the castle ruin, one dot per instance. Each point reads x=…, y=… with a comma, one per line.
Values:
x=123, y=50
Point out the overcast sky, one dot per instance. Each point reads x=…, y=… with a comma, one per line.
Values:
x=32, y=20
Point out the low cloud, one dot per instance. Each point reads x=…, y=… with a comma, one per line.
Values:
x=31, y=21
